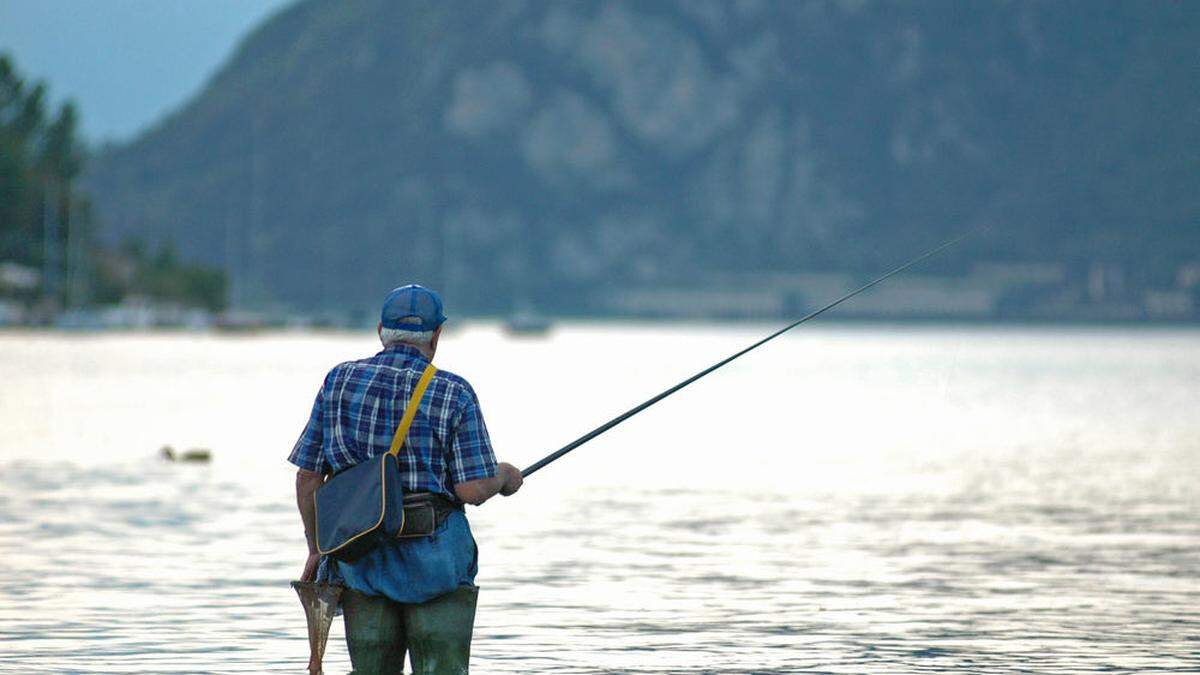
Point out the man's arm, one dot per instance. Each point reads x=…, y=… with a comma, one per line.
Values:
x=307, y=483
x=476, y=475
x=506, y=482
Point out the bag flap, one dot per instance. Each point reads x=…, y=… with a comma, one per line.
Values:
x=352, y=503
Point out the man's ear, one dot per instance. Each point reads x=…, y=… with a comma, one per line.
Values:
x=437, y=333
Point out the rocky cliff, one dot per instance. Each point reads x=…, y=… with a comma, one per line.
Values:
x=527, y=151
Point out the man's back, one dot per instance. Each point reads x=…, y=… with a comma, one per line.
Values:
x=360, y=404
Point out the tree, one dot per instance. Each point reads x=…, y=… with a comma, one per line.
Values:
x=44, y=220
x=22, y=115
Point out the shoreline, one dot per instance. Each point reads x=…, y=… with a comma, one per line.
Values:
x=498, y=323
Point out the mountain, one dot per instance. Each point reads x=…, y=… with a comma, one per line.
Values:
x=534, y=151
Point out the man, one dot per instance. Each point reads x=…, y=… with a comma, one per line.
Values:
x=413, y=593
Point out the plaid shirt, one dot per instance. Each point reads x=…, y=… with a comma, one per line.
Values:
x=360, y=405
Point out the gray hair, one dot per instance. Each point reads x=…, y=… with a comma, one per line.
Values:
x=395, y=336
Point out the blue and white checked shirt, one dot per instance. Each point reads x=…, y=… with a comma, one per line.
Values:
x=360, y=405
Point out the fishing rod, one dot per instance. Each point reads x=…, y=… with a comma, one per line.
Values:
x=655, y=399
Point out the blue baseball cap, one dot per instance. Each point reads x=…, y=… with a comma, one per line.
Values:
x=412, y=307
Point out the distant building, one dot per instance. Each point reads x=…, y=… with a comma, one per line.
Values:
x=1105, y=282
x=689, y=303
x=924, y=297
x=1005, y=276
x=11, y=313
x=991, y=290
x=1188, y=276
x=16, y=277
x=783, y=295
x=1172, y=304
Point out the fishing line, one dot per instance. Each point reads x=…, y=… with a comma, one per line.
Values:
x=812, y=315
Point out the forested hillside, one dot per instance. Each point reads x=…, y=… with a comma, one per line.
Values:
x=539, y=152
x=50, y=256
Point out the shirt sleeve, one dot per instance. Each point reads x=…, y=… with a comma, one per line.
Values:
x=307, y=453
x=471, y=456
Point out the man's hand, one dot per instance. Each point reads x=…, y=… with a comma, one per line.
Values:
x=506, y=482
x=512, y=479
x=310, y=567
x=307, y=483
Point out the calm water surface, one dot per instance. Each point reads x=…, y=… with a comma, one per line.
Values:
x=865, y=499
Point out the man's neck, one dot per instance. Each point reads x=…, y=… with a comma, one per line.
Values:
x=426, y=352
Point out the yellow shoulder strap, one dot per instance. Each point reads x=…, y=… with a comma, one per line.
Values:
x=411, y=411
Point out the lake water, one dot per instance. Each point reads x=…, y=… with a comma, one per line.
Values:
x=848, y=499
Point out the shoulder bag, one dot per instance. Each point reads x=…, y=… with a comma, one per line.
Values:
x=360, y=507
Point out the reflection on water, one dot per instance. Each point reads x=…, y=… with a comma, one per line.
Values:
x=853, y=501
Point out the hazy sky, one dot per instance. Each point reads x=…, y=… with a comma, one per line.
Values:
x=125, y=62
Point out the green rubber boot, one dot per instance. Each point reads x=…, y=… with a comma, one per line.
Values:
x=439, y=632
x=374, y=634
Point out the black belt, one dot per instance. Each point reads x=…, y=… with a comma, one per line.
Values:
x=424, y=512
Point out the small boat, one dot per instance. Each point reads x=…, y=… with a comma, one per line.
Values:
x=527, y=324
